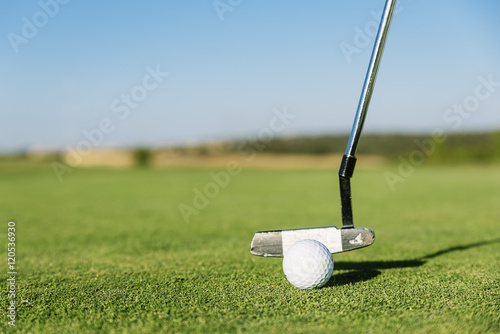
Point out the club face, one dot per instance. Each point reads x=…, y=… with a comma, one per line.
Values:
x=276, y=243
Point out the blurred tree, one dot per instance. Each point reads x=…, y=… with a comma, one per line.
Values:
x=142, y=156
x=496, y=140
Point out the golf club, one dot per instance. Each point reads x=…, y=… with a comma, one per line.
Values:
x=275, y=243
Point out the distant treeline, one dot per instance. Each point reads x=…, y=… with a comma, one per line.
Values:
x=462, y=147
x=448, y=148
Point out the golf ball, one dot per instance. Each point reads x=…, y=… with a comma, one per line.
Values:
x=308, y=264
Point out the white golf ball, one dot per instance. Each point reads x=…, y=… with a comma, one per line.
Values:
x=308, y=264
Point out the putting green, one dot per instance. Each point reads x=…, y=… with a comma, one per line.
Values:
x=109, y=251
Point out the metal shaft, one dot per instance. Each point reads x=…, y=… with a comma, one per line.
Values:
x=371, y=75
x=349, y=159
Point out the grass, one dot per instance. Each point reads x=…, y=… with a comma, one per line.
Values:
x=108, y=251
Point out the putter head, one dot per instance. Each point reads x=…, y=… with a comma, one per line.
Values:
x=276, y=243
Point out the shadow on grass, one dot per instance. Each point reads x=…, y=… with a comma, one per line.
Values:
x=352, y=277
x=463, y=247
x=364, y=271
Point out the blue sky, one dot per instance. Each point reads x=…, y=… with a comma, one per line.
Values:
x=67, y=66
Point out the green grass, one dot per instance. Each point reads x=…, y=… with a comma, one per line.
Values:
x=108, y=251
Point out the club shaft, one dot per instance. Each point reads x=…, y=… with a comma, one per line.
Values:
x=371, y=76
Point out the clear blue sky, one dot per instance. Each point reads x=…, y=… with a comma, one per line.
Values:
x=229, y=70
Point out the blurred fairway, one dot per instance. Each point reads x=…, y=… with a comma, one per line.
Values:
x=107, y=251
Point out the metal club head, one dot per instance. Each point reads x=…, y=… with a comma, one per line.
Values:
x=276, y=243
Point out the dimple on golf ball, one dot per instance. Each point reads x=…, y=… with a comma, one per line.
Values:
x=308, y=264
